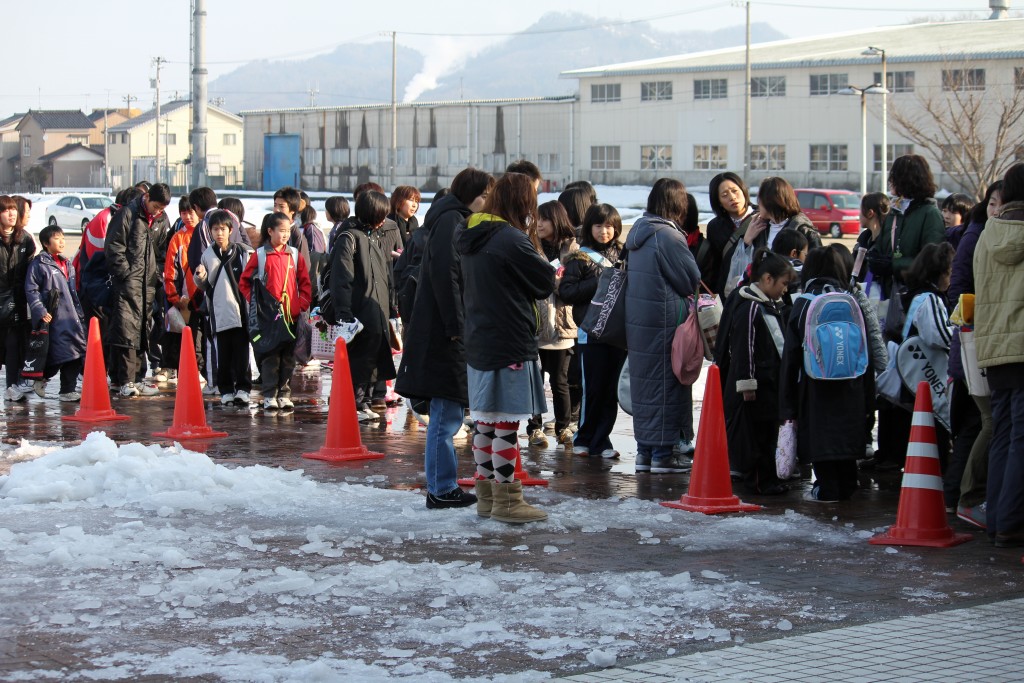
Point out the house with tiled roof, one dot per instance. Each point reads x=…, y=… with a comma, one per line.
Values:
x=10, y=151
x=42, y=132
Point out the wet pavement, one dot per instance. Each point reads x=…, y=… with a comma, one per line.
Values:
x=847, y=584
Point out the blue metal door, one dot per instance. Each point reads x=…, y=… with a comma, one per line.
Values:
x=281, y=161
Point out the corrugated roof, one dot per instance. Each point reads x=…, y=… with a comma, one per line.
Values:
x=407, y=105
x=929, y=42
x=165, y=109
x=14, y=118
x=62, y=119
x=68, y=148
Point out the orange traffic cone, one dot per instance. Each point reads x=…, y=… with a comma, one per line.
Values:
x=343, y=441
x=921, y=515
x=95, y=405
x=710, y=489
x=189, y=409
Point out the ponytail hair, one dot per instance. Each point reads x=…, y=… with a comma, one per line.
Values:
x=877, y=202
x=767, y=262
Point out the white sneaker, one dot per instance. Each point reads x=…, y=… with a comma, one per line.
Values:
x=147, y=389
x=70, y=397
x=227, y=399
x=39, y=387
x=463, y=433
x=285, y=403
x=14, y=393
x=348, y=330
x=270, y=403
x=314, y=363
x=129, y=390
x=242, y=399
x=367, y=415
x=209, y=390
x=160, y=375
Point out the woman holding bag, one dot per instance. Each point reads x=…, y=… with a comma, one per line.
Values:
x=662, y=273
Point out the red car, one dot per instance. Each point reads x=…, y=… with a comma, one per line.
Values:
x=833, y=212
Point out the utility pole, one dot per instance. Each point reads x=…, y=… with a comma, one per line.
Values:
x=313, y=91
x=158, y=61
x=106, y=148
x=394, y=105
x=199, y=77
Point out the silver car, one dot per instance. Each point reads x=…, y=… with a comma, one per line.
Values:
x=74, y=211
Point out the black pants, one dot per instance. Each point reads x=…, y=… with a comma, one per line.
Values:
x=12, y=351
x=232, y=348
x=835, y=479
x=276, y=369
x=966, y=424
x=601, y=365
x=555, y=363
x=575, y=384
x=69, y=373
x=124, y=364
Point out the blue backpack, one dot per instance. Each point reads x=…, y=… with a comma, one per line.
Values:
x=835, y=342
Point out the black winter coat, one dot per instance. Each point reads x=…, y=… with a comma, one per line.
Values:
x=579, y=281
x=406, y=228
x=434, y=361
x=504, y=276
x=389, y=238
x=14, y=260
x=829, y=413
x=67, y=331
x=361, y=288
x=131, y=261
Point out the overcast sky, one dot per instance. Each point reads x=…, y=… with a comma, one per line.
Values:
x=71, y=54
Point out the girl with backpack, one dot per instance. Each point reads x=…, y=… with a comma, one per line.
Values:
x=601, y=363
x=749, y=355
x=286, y=278
x=217, y=275
x=829, y=413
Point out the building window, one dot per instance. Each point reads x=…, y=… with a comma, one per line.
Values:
x=710, y=88
x=340, y=157
x=958, y=156
x=366, y=156
x=458, y=156
x=168, y=138
x=401, y=156
x=26, y=145
x=112, y=138
x=494, y=163
x=963, y=79
x=1018, y=77
x=230, y=139
x=124, y=138
x=549, y=163
x=606, y=92
x=768, y=157
x=655, y=90
x=655, y=157
x=78, y=139
x=828, y=158
x=605, y=158
x=310, y=158
x=895, y=151
x=426, y=156
x=897, y=81
x=768, y=86
x=828, y=84
x=710, y=157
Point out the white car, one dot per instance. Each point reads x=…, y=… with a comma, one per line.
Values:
x=74, y=211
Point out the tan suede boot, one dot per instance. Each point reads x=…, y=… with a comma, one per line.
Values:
x=509, y=506
x=484, y=496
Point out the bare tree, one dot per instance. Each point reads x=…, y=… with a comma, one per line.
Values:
x=974, y=130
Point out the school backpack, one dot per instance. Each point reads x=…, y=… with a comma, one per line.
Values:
x=835, y=342
x=270, y=325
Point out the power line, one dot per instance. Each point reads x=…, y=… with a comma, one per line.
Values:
x=818, y=7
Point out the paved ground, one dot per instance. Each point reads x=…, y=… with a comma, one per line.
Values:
x=847, y=585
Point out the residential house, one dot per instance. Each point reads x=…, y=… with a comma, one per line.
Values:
x=10, y=152
x=44, y=132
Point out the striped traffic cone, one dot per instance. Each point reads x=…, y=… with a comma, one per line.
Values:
x=921, y=515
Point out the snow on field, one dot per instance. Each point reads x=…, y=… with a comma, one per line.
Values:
x=100, y=539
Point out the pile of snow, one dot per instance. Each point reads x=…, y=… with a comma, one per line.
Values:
x=118, y=543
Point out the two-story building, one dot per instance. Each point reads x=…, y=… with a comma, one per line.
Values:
x=55, y=151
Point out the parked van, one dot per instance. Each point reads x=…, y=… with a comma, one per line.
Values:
x=833, y=212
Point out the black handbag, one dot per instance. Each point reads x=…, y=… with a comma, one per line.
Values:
x=269, y=326
x=605, y=319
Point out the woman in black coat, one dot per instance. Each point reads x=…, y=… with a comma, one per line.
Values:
x=405, y=202
x=730, y=201
x=361, y=288
x=433, y=365
x=16, y=250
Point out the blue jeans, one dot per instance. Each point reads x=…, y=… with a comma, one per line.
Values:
x=1005, y=499
x=441, y=464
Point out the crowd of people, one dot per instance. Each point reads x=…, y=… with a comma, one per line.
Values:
x=491, y=295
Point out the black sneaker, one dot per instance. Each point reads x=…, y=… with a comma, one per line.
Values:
x=456, y=498
x=671, y=465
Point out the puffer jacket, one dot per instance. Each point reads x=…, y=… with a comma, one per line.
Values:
x=564, y=327
x=227, y=309
x=999, y=287
x=48, y=273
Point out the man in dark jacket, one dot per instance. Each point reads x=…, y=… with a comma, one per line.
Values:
x=130, y=253
x=434, y=363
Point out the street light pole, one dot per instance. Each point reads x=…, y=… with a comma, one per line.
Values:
x=874, y=89
x=874, y=51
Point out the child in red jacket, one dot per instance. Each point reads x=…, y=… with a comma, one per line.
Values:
x=286, y=278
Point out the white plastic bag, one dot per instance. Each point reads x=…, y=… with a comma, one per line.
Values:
x=741, y=258
x=977, y=379
x=625, y=400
